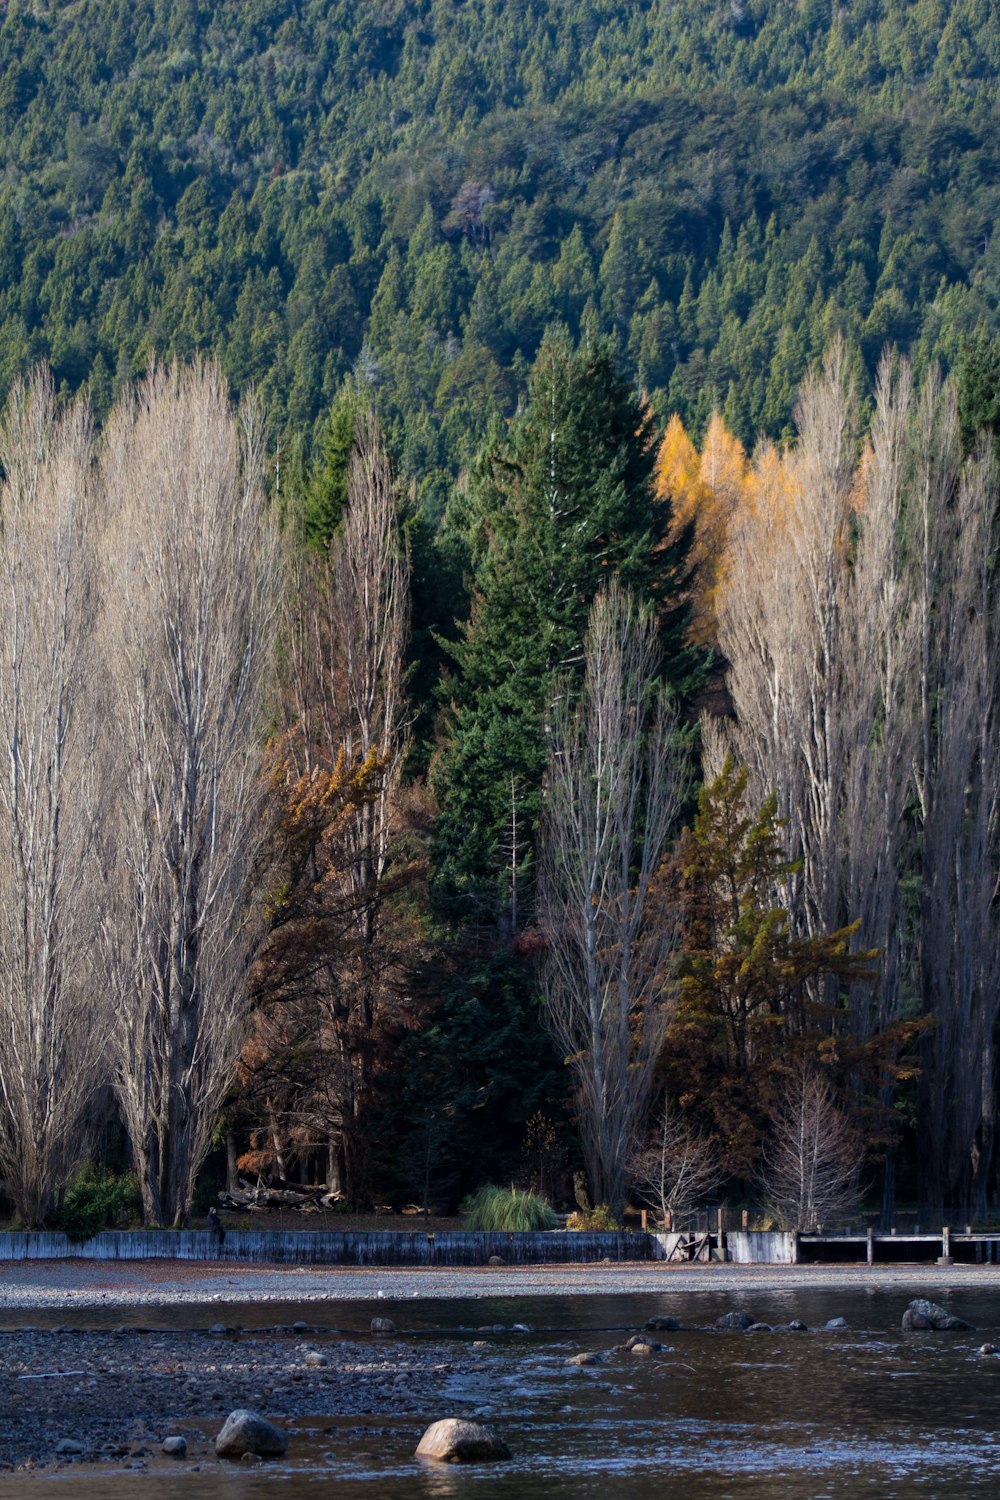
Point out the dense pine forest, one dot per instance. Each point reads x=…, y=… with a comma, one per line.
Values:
x=417, y=191
x=513, y=489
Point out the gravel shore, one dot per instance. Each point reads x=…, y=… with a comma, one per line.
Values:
x=111, y=1398
x=68, y=1285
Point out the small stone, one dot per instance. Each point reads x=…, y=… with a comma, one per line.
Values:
x=247, y=1432
x=644, y=1351
x=383, y=1325
x=250, y=1460
x=452, y=1441
x=520, y=1328
x=495, y=1260
x=174, y=1447
x=797, y=1326
x=66, y=1447
x=586, y=1358
x=987, y=1349
x=315, y=1359
x=835, y=1325
x=760, y=1328
x=663, y=1325
x=299, y=1327
x=217, y=1330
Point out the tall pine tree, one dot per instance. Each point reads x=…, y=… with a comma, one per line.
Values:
x=558, y=504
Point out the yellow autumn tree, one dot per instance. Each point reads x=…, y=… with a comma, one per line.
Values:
x=705, y=492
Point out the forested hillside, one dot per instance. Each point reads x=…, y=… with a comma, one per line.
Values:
x=417, y=190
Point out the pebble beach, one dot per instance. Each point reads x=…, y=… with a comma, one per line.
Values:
x=65, y=1285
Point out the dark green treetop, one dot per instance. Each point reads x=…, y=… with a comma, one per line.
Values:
x=557, y=505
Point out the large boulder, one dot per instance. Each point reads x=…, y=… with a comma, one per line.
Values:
x=922, y=1315
x=248, y=1432
x=735, y=1320
x=452, y=1441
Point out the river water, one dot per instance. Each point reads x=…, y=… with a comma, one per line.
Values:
x=869, y=1412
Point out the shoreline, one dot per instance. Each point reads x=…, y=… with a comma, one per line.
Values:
x=79, y=1285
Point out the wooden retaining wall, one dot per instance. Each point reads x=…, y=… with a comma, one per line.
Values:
x=316, y=1247
x=762, y=1247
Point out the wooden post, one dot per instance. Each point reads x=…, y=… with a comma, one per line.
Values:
x=643, y=1221
x=670, y=1220
x=745, y=1219
x=944, y=1259
x=871, y=1246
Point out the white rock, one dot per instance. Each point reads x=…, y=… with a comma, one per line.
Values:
x=452, y=1441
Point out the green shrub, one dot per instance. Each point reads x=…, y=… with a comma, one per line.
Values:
x=599, y=1219
x=97, y=1200
x=505, y=1209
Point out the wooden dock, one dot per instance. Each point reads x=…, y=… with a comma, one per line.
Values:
x=946, y=1246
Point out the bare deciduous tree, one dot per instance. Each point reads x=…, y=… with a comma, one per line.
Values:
x=674, y=1168
x=819, y=625
x=958, y=781
x=190, y=593
x=615, y=785
x=51, y=1022
x=811, y=1162
x=781, y=629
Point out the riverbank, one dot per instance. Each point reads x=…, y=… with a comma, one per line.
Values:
x=103, y=1362
x=66, y=1286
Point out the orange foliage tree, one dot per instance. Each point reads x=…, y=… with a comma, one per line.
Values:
x=751, y=995
x=705, y=492
x=329, y=1006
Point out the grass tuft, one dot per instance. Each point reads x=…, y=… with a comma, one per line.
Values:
x=495, y=1208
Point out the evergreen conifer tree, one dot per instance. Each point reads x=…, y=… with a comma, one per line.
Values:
x=325, y=491
x=558, y=504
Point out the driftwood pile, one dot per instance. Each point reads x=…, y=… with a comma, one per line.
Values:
x=298, y=1196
